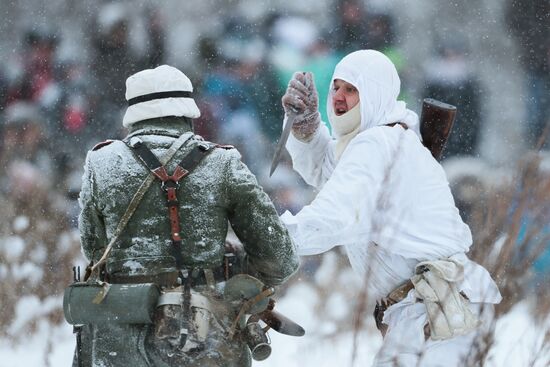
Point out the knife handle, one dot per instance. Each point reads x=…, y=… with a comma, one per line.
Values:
x=296, y=112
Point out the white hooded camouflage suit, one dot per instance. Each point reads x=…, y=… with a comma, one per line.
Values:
x=388, y=202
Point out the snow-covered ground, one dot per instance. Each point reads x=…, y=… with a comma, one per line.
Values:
x=46, y=347
x=518, y=339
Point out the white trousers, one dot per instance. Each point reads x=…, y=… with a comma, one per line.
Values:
x=405, y=345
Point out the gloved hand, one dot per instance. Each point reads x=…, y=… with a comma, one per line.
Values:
x=301, y=99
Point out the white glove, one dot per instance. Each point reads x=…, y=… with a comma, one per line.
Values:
x=301, y=99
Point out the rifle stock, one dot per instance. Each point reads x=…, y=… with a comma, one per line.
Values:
x=436, y=122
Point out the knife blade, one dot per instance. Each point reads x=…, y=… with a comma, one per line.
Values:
x=282, y=142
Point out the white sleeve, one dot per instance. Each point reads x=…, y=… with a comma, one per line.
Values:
x=313, y=160
x=343, y=210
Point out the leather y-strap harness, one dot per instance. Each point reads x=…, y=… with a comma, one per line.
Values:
x=170, y=183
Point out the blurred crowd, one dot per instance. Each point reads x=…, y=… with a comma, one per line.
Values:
x=55, y=107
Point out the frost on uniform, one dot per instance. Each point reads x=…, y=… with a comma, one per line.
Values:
x=219, y=190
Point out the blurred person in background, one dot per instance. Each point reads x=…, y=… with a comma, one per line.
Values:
x=298, y=44
x=529, y=22
x=70, y=116
x=321, y=60
x=54, y=84
x=155, y=53
x=382, y=36
x=292, y=37
x=244, y=43
x=73, y=107
x=359, y=27
x=237, y=88
x=209, y=53
x=114, y=56
x=386, y=199
x=24, y=137
x=350, y=31
x=33, y=75
x=450, y=78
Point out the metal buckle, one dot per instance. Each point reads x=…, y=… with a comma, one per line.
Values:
x=135, y=141
x=170, y=298
x=164, y=186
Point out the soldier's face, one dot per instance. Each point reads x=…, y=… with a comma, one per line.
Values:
x=344, y=97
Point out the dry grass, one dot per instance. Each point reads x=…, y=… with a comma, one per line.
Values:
x=37, y=252
x=514, y=232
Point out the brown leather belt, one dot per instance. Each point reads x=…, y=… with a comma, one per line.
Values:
x=397, y=295
x=169, y=279
x=197, y=276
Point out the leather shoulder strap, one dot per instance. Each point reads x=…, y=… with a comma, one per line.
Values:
x=403, y=125
x=144, y=154
x=189, y=162
x=195, y=156
x=136, y=199
x=98, y=146
x=170, y=184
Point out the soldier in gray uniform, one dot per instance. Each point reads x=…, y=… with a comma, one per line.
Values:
x=176, y=242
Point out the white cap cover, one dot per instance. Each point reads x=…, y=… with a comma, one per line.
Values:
x=160, y=92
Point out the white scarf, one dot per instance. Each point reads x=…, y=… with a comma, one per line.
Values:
x=345, y=128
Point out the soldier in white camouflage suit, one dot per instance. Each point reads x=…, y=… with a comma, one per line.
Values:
x=386, y=199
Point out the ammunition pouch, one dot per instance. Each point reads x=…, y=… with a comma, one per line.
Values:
x=132, y=299
x=102, y=303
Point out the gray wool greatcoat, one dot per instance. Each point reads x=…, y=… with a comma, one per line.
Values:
x=220, y=189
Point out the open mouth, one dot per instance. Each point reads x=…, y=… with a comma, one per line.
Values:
x=340, y=111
